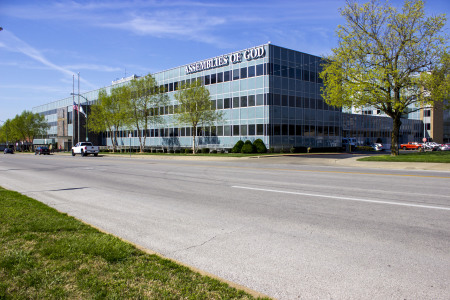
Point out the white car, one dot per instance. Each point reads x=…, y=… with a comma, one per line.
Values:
x=445, y=147
x=377, y=147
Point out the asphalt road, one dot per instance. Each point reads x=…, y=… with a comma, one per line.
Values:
x=288, y=230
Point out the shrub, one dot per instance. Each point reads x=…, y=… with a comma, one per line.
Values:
x=187, y=150
x=171, y=151
x=272, y=150
x=213, y=151
x=260, y=146
x=205, y=150
x=177, y=151
x=248, y=147
x=292, y=150
x=238, y=147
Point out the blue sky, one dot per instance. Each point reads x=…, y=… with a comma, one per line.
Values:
x=44, y=43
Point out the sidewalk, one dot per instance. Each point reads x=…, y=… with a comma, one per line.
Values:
x=352, y=162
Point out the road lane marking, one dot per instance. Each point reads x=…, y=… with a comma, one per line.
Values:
x=343, y=198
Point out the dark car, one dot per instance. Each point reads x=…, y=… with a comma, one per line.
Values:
x=8, y=150
x=42, y=150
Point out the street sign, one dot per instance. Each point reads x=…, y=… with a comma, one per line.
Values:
x=424, y=140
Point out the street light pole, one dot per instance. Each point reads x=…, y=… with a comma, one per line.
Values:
x=87, y=103
x=78, y=107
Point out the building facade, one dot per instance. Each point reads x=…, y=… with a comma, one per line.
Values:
x=266, y=92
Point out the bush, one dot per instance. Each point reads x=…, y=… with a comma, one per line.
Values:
x=272, y=150
x=205, y=150
x=292, y=150
x=177, y=151
x=171, y=151
x=213, y=151
x=260, y=146
x=248, y=147
x=187, y=150
x=238, y=147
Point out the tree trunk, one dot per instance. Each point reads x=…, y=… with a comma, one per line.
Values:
x=395, y=134
x=193, y=139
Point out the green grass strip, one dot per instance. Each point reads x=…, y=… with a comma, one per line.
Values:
x=428, y=157
x=45, y=254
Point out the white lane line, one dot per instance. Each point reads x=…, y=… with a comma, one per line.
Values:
x=343, y=198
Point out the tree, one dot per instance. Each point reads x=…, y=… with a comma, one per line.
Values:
x=143, y=105
x=24, y=127
x=386, y=59
x=109, y=112
x=194, y=108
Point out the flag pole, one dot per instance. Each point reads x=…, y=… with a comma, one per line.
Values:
x=78, y=110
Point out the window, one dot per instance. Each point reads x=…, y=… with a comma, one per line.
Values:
x=260, y=129
x=227, y=103
x=427, y=113
x=251, y=129
x=219, y=103
x=235, y=102
x=260, y=99
x=243, y=101
x=236, y=74
x=284, y=100
x=219, y=77
x=291, y=73
x=227, y=130
x=259, y=70
x=251, y=71
x=276, y=129
x=219, y=130
x=243, y=73
x=213, y=78
x=226, y=76
x=235, y=130
x=207, y=79
x=251, y=100
x=284, y=71
x=243, y=129
x=292, y=101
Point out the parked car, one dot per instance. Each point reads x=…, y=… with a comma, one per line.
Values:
x=431, y=146
x=445, y=147
x=42, y=150
x=8, y=150
x=377, y=147
x=411, y=146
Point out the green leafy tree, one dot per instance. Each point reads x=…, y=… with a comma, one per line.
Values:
x=7, y=133
x=386, y=59
x=143, y=105
x=194, y=108
x=109, y=113
x=24, y=127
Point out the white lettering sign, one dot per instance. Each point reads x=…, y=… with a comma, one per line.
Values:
x=249, y=54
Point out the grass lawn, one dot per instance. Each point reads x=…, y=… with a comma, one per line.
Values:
x=430, y=157
x=46, y=254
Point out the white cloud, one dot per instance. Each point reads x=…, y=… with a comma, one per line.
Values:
x=12, y=43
